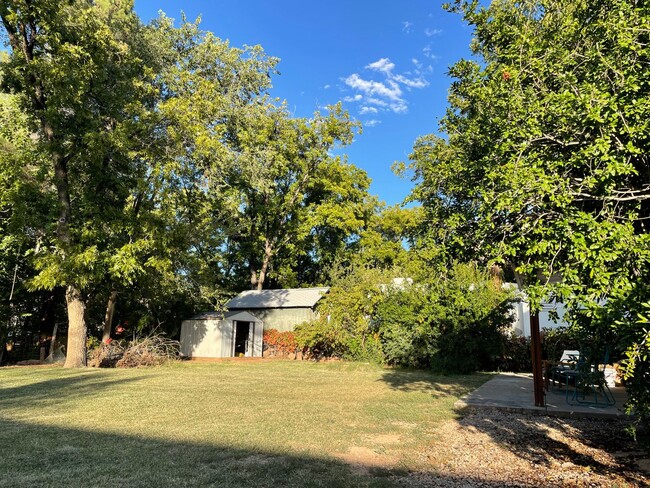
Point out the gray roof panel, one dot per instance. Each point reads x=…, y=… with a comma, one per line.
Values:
x=284, y=298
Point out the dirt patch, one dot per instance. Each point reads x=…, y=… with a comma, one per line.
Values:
x=364, y=458
x=385, y=439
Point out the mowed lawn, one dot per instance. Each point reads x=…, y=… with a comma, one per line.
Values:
x=228, y=424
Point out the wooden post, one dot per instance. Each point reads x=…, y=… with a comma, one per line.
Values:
x=536, y=353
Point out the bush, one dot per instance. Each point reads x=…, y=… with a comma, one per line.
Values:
x=280, y=343
x=453, y=324
x=516, y=356
x=406, y=337
x=555, y=341
x=636, y=372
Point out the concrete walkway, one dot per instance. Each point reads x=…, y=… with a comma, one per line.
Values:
x=514, y=393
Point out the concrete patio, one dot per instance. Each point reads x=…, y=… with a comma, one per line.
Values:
x=513, y=392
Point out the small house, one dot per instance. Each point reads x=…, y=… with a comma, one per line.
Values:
x=239, y=331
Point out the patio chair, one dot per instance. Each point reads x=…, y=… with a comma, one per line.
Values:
x=566, y=363
x=591, y=389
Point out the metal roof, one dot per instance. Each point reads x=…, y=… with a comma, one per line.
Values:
x=234, y=315
x=284, y=298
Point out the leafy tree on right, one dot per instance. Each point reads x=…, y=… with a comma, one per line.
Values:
x=544, y=162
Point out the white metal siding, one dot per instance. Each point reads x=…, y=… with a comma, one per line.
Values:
x=258, y=338
x=213, y=338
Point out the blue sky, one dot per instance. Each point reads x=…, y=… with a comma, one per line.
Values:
x=385, y=60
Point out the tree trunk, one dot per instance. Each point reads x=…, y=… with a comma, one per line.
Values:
x=22, y=38
x=253, y=279
x=108, y=317
x=76, y=352
x=50, y=356
x=268, y=251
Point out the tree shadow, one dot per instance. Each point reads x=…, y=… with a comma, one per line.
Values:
x=52, y=456
x=537, y=439
x=555, y=442
x=438, y=385
x=68, y=388
x=51, y=453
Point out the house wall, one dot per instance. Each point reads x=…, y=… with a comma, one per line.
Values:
x=521, y=317
x=283, y=319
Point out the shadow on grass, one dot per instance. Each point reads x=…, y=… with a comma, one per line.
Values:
x=530, y=437
x=438, y=385
x=68, y=388
x=42, y=455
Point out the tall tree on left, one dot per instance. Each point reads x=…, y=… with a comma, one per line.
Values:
x=78, y=71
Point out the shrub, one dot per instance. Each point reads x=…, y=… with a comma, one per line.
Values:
x=452, y=324
x=406, y=335
x=280, y=343
x=636, y=373
x=516, y=356
x=555, y=341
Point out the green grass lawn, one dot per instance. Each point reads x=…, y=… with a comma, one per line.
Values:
x=229, y=424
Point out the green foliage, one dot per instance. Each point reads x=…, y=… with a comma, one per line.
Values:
x=543, y=166
x=406, y=335
x=385, y=240
x=286, y=205
x=636, y=373
x=515, y=356
x=556, y=341
x=453, y=323
x=320, y=339
x=466, y=314
x=349, y=309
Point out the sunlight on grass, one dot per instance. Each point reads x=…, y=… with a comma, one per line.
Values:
x=229, y=423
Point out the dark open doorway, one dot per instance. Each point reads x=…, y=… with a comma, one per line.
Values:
x=242, y=332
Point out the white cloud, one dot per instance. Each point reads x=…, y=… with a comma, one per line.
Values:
x=368, y=110
x=407, y=26
x=384, y=65
x=390, y=90
x=417, y=83
x=376, y=101
x=372, y=123
x=432, y=32
x=427, y=52
x=327, y=87
x=387, y=94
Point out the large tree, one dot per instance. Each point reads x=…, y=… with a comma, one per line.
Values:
x=544, y=163
x=289, y=203
x=77, y=70
x=133, y=125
